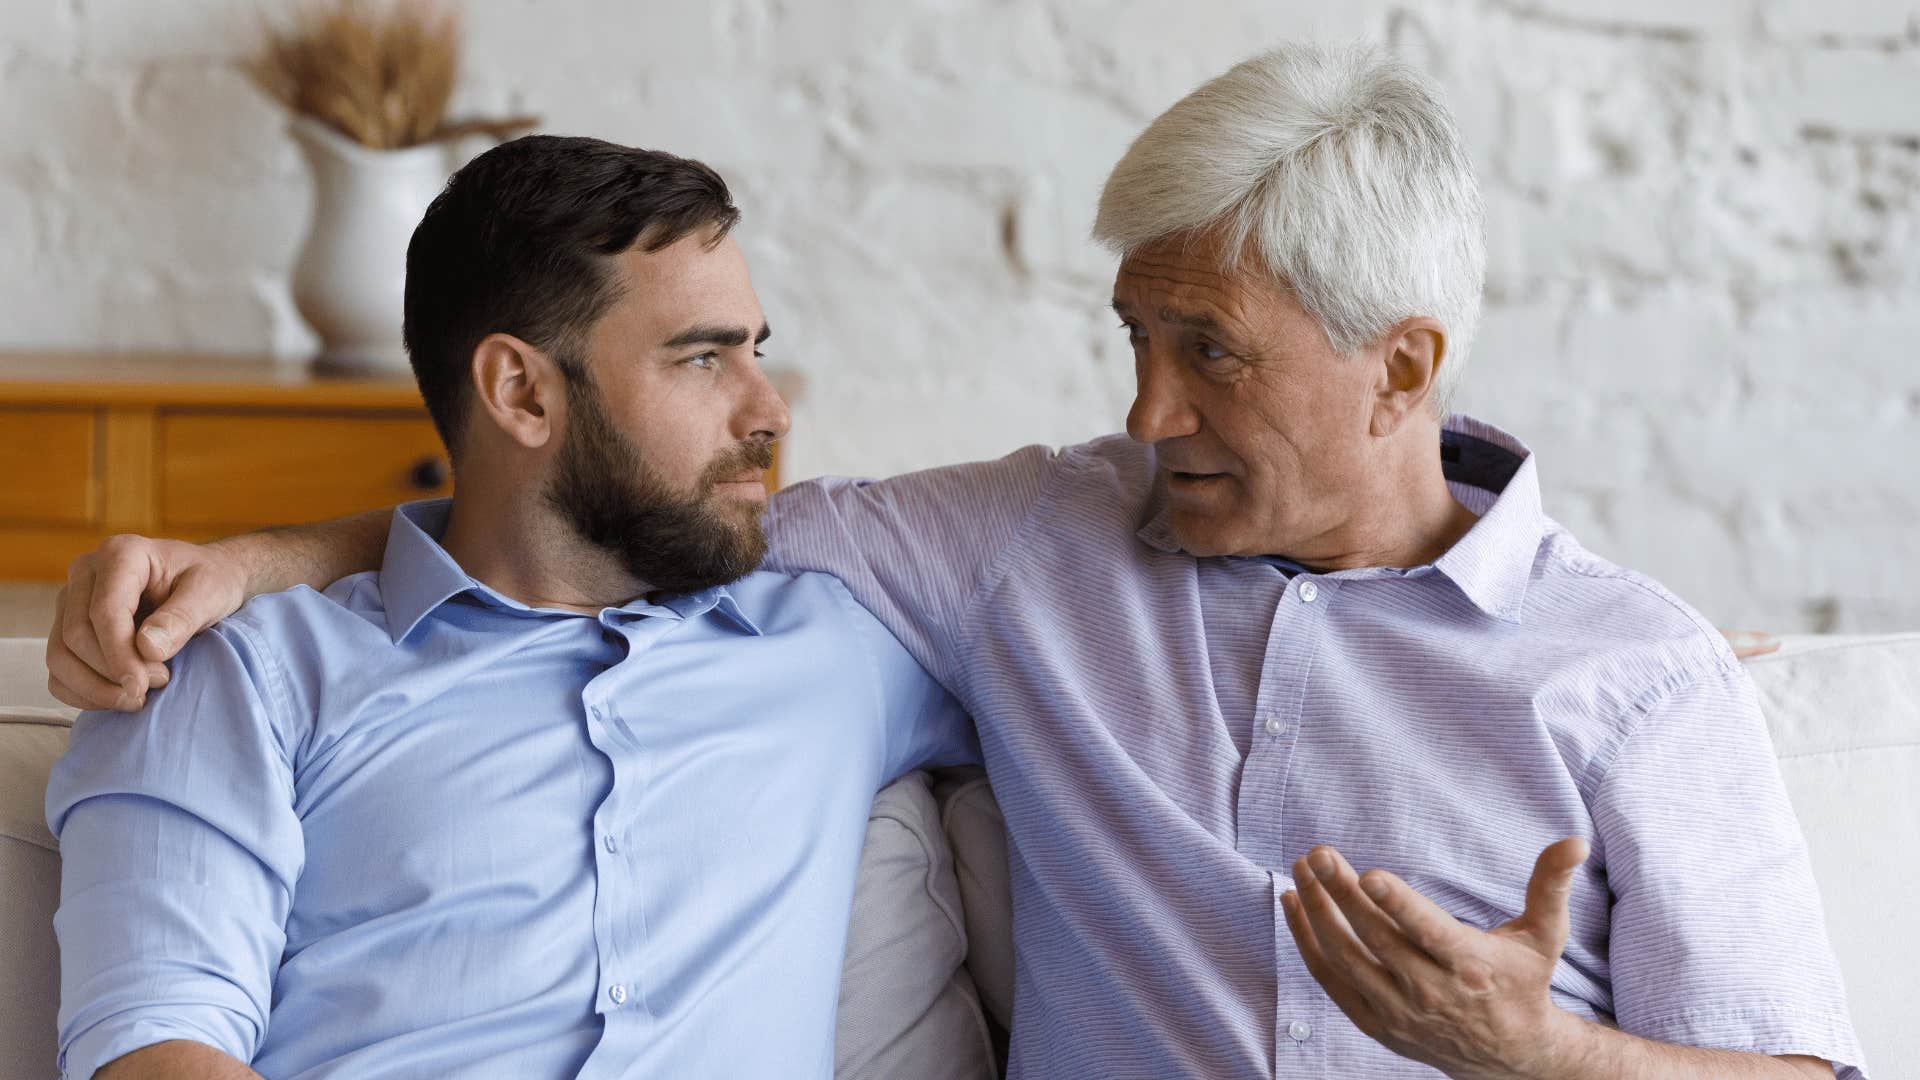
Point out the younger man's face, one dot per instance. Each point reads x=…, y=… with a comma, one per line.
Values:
x=667, y=439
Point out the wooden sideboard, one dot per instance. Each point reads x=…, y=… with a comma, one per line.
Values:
x=195, y=447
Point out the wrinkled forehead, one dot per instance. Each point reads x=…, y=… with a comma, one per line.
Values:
x=1185, y=280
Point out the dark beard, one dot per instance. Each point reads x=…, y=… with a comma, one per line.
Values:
x=617, y=502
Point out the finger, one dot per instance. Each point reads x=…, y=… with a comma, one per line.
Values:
x=1425, y=923
x=1545, y=919
x=1748, y=643
x=193, y=605
x=73, y=682
x=117, y=587
x=1344, y=950
x=1350, y=1001
x=1385, y=940
x=71, y=611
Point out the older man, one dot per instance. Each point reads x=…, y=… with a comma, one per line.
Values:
x=1295, y=609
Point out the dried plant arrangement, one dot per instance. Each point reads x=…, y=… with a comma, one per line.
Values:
x=381, y=74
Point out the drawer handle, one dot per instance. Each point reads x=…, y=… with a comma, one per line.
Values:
x=428, y=474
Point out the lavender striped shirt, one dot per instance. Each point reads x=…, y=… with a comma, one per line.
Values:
x=1166, y=734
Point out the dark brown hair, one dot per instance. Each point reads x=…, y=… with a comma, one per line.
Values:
x=518, y=244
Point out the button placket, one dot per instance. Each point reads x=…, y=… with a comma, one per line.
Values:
x=1292, y=640
x=619, y=904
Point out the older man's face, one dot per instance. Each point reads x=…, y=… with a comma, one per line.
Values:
x=1260, y=427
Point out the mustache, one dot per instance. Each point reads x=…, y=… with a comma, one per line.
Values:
x=753, y=455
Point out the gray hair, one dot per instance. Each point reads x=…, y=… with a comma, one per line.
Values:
x=1341, y=169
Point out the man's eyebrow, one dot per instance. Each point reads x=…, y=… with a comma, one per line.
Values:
x=1192, y=321
x=727, y=337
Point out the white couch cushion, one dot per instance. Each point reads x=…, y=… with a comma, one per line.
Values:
x=907, y=1008
x=978, y=832
x=1845, y=717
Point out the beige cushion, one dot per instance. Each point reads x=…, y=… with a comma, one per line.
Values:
x=23, y=673
x=1845, y=717
x=30, y=740
x=978, y=834
x=907, y=1008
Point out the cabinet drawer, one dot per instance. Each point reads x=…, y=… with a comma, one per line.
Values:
x=47, y=467
x=245, y=469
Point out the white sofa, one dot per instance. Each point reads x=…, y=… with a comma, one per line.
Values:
x=929, y=964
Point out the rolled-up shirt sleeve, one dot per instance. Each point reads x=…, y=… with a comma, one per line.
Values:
x=179, y=852
x=1717, y=936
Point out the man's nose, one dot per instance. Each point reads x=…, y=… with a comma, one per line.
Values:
x=764, y=413
x=1160, y=406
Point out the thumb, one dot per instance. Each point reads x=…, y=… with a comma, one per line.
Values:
x=195, y=604
x=1545, y=919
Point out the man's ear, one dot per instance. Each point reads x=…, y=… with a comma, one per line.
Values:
x=517, y=388
x=1414, y=351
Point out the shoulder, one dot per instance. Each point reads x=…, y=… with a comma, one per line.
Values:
x=1628, y=640
x=300, y=640
x=780, y=601
x=306, y=616
x=1115, y=461
x=1020, y=473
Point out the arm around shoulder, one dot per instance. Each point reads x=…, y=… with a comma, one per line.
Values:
x=913, y=549
x=97, y=658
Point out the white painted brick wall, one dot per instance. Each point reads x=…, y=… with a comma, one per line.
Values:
x=1704, y=298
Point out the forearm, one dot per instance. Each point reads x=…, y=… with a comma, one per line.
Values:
x=1595, y=1052
x=317, y=554
x=176, y=1060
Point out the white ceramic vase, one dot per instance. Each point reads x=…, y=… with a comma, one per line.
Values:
x=350, y=280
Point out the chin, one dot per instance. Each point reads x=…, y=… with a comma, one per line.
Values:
x=1199, y=536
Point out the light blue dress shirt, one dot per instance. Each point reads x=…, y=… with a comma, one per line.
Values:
x=410, y=827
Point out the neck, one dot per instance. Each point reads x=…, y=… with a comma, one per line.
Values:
x=506, y=537
x=1403, y=514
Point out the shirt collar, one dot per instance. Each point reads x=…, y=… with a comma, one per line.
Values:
x=1490, y=472
x=417, y=576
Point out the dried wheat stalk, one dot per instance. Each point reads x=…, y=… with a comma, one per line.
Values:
x=379, y=73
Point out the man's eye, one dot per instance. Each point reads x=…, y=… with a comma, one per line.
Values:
x=1135, y=332
x=1209, y=353
x=706, y=360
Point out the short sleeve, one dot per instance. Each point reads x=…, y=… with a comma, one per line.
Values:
x=179, y=853
x=913, y=549
x=1717, y=937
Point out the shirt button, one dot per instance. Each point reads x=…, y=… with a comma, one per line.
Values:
x=619, y=994
x=1274, y=726
x=1299, y=1031
x=611, y=846
x=1309, y=592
